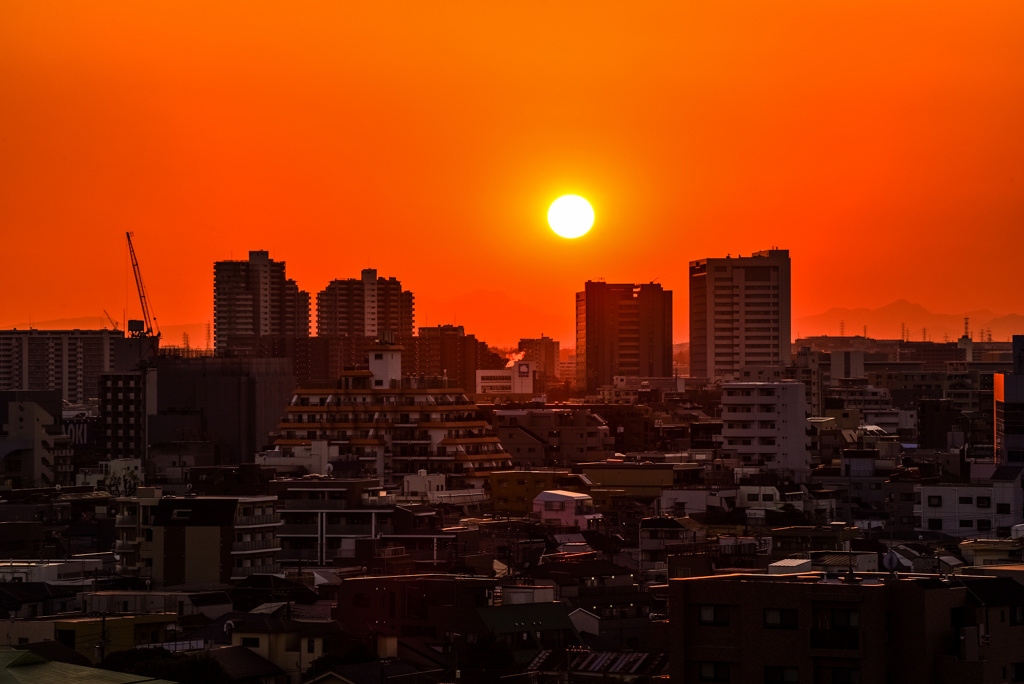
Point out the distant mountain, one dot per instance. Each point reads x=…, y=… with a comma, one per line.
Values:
x=886, y=322
x=83, y=323
x=171, y=335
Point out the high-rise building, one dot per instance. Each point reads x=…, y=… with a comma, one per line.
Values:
x=446, y=351
x=69, y=361
x=255, y=298
x=622, y=330
x=739, y=313
x=365, y=307
x=544, y=354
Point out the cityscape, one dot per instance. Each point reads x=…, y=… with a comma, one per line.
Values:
x=351, y=345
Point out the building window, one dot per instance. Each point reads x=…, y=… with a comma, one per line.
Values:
x=840, y=675
x=751, y=497
x=984, y=502
x=310, y=646
x=714, y=672
x=773, y=674
x=966, y=499
x=934, y=523
x=836, y=629
x=934, y=501
x=1003, y=509
x=251, y=642
x=780, y=618
x=984, y=525
x=714, y=615
x=967, y=523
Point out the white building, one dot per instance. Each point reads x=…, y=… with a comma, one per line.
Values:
x=765, y=427
x=739, y=313
x=987, y=507
x=516, y=378
x=560, y=508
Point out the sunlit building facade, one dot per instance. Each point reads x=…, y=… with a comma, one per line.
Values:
x=740, y=314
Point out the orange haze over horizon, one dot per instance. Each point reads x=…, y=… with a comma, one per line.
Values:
x=880, y=142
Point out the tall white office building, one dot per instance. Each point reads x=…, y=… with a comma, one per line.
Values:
x=739, y=314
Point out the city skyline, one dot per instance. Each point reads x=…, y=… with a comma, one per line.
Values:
x=428, y=145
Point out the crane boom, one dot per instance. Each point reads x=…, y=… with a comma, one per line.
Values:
x=142, y=289
x=111, y=319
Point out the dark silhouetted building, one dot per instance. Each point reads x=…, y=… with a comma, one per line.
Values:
x=1009, y=408
x=446, y=351
x=70, y=361
x=232, y=404
x=543, y=352
x=255, y=298
x=365, y=307
x=863, y=628
x=622, y=330
x=739, y=313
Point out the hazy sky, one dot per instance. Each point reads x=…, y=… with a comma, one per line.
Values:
x=882, y=143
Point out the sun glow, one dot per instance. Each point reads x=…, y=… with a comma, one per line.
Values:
x=570, y=216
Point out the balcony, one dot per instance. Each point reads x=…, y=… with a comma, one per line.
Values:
x=297, y=529
x=369, y=501
x=126, y=545
x=255, y=545
x=251, y=520
x=126, y=521
x=315, y=504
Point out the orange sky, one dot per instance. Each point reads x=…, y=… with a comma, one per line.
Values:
x=882, y=143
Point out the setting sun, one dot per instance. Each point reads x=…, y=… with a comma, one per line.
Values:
x=571, y=216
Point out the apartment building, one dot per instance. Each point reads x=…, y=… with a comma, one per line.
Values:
x=865, y=627
x=765, y=427
x=255, y=297
x=171, y=540
x=622, y=329
x=739, y=313
x=395, y=427
x=545, y=438
x=364, y=307
x=69, y=361
x=986, y=507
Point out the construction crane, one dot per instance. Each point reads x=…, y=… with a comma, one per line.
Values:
x=143, y=328
x=111, y=319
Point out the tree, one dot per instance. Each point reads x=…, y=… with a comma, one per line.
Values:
x=121, y=483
